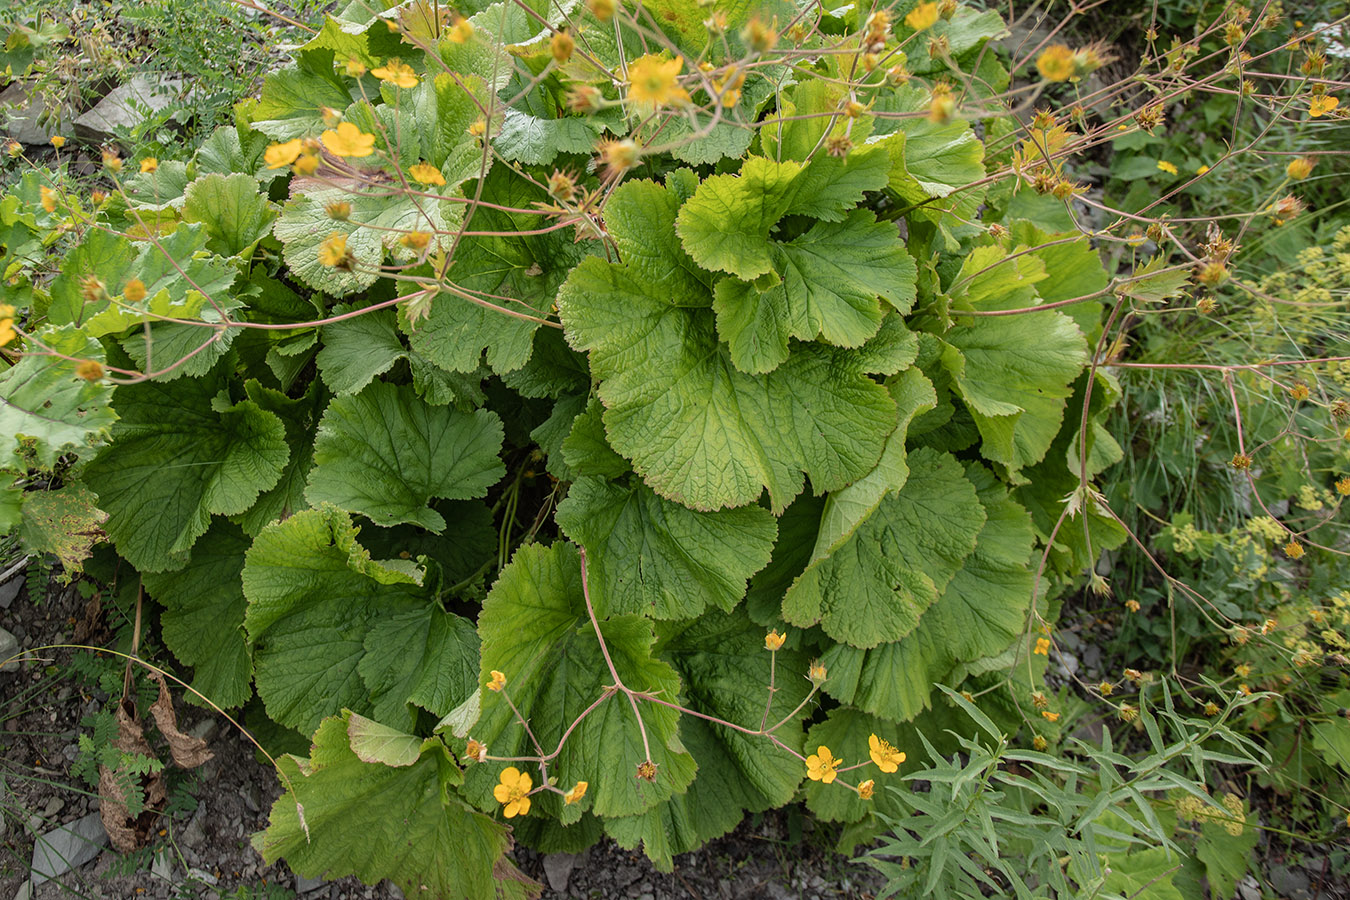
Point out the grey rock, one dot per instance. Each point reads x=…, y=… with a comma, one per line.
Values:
x=9, y=646
x=1290, y=882
x=126, y=106
x=203, y=876
x=305, y=885
x=10, y=589
x=164, y=869
x=54, y=806
x=558, y=869
x=1248, y=889
x=253, y=797
x=25, y=891
x=24, y=126
x=194, y=833
x=206, y=730
x=57, y=852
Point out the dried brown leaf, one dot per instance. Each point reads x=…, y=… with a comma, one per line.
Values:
x=188, y=752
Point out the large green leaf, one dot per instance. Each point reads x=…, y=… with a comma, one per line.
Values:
x=314, y=598
x=182, y=452
x=358, y=349
x=725, y=669
x=535, y=630
x=726, y=225
x=874, y=587
x=299, y=416
x=292, y=98
x=825, y=283
x=980, y=614
x=653, y=557
x=424, y=656
x=203, y=618
x=341, y=816
x=849, y=507
x=385, y=453
x=1015, y=374
x=503, y=259
x=698, y=430
x=236, y=216
x=42, y=400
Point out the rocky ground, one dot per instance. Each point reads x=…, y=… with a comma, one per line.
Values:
x=53, y=844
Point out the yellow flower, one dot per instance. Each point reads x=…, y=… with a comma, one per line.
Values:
x=1042, y=647
x=1039, y=742
x=513, y=792
x=48, y=198
x=14, y=148
x=820, y=765
x=866, y=788
x=134, y=292
x=1106, y=688
x=652, y=81
x=1050, y=716
x=307, y=164
x=149, y=164
x=348, y=140
x=1055, y=63
x=887, y=758
x=1202, y=170
x=1165, y=166
x=111, y=159
x=461, y=31
x=1132, y=605
x=278, y=155
x=1293, y=550
x=576, y=793
x=397, y=73
x=58, y=142
x=1211, y=708
x=561, y=47
x=7, y=332
x=773, y=640
x=1343, y=487
x=923, y=16
x=355, y=67
x=1321, y=105
x=497, y=682
x=333, y=250
x=415, y=240
x=426, y=173
x=816, y=672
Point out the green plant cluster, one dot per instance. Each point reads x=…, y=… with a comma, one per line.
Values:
x=554, y=421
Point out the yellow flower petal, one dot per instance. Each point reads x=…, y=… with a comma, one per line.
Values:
x=397, y=73
x=348, y=140
x=426, y=173
x=278, y=155
x=923, y=16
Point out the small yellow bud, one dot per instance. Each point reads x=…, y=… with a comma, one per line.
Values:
x=149, y=164
x=58, y=142
x=134, y=291
x=1039, y=743
x=497, y=681
x=1300, y=167
x=816, y=672
x=90, y=370
x=773, y=640
x=561, y=47
x=340, y=210
x=866, y=789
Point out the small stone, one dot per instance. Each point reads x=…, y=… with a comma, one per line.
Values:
x=25, y=891
x=558, y=869
x=205, y=730
x=54, y=806
x=163, y=868
x=57, y=852
x=9, y=590
x=9, y=646
x=1249, y=889
x=253, y=797
x=305, y=885
x=194, y=833
x=202, y=875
